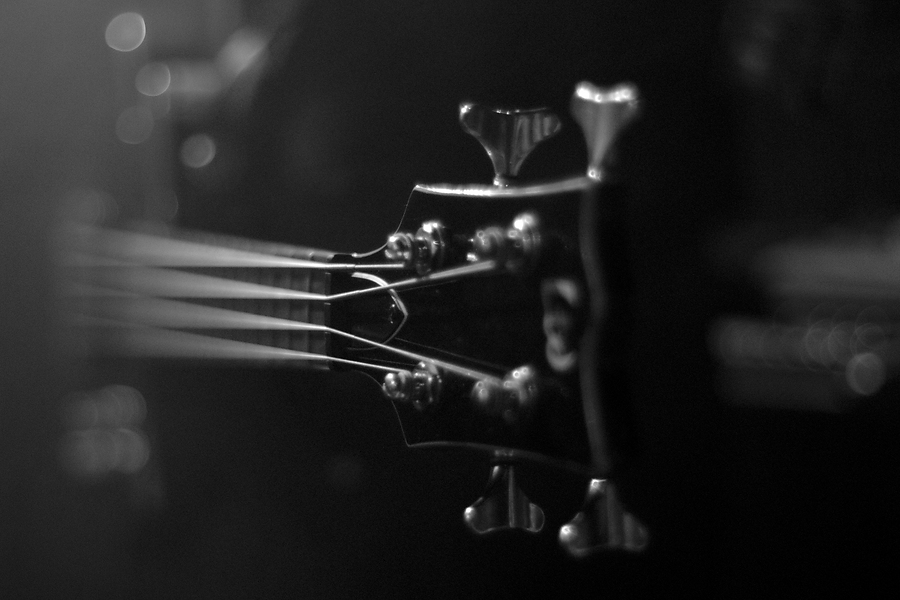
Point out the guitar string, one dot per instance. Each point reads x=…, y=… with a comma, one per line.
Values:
x=183, y=285
x=84, y=260
x=152, y=341
x=157, y=312
x=131, y=248
x=125, y=248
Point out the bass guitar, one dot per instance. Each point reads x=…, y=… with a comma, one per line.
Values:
x=490, y=318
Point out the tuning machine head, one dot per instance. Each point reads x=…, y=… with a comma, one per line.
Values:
x=602, y=113
x=421, y=387
x=603, y=524
x=504, y=505
x=508, y=136
x=423, y=251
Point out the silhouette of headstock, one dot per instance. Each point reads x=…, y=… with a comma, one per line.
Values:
x=497, y=331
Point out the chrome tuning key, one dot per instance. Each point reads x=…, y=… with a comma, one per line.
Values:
x=513, y=398
x=602, y=113
x=504, y=505
x=603, y=524
x=508, y=136
x=424, y=251
x=420, y=387
x=514, y=248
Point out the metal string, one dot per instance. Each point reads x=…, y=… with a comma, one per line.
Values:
x=130, y=276
x=141, y=313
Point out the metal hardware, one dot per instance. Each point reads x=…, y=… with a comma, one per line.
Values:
x=432, y=238
x=508, y=136
x=523, y=241
x=563, y=301
x=504, y=505
x=513, y=398
x=602, y=114
x=424, y=251
x=420, y=387
x=514, y=248
x=401, y=247
x=602, y=524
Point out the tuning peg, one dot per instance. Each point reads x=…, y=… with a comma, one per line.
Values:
x=602, y=524
x=504, y=505
x=602, y=114
x=421, y=387
x=508, y=136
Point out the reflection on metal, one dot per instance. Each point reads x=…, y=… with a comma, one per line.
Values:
x=513, y=399
x=421, y=387
x=515, y=248
x=508, y=136
x=504, y=505
x=602, y=114
x=564, y=307
x=602, y=524
x=425, y=251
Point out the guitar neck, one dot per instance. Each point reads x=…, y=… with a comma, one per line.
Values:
x=201, y=297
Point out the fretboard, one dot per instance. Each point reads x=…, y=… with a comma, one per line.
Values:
x=199, y=296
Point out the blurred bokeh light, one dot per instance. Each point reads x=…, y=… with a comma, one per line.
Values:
x=126, y=32
x=153, y=79
x=198, y=150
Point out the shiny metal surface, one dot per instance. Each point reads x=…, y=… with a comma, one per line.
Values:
x=423, y=251
x=508, y=136
x=420, y=387
x=504, y=505
x=602, y=524
x=513, y=399
x=514, y=248
x=602, y=114
x=564, y=315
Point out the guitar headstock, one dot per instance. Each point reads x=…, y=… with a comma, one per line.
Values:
x=503, y=301
x=494, y=317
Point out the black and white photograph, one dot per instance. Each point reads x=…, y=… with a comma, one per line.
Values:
x=439, y=300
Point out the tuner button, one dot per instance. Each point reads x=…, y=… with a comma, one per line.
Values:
x=602, y=524
x=421, y=387
x=602, y=113
x=432, y=239
x=513, y=248
x=401, y=247
x=425, y=251
x=508, y=136
x=398, y=386
x=488, y=243
x=523, y=240
x=504, y=505
x=513, y=398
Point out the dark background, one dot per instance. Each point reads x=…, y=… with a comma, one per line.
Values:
x=762, y=118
